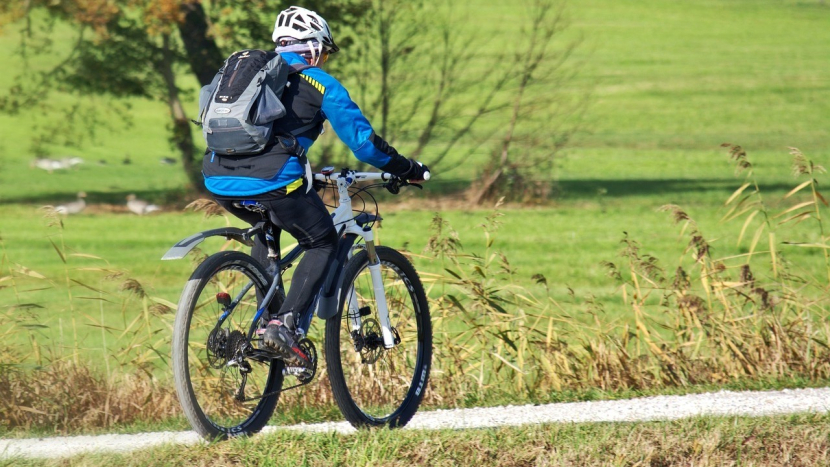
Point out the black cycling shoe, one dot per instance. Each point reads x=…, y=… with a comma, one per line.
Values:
x=282, y=340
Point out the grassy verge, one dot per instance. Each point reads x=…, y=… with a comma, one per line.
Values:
x=792, y=440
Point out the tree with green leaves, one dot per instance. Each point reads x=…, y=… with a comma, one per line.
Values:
x=409, y=71
x=144, y=48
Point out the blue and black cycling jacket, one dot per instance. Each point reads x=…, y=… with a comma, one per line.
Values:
x=312, y=96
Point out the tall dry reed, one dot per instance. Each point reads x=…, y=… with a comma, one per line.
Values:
x=728, y=323
x=61, y=382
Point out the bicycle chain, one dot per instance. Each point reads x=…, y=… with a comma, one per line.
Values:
x=307, y=346
x=269, y=394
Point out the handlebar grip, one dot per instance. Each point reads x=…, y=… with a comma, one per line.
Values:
x=427, y=176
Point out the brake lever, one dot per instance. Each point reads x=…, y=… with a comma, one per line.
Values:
x=394, y=185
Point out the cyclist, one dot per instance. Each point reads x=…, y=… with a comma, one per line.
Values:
x=279, y=177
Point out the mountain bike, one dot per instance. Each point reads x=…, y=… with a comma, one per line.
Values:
x=378, y=334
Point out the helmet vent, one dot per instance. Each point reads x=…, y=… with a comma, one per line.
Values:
x=303, y=25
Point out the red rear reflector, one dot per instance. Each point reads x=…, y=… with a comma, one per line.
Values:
x=223, y=298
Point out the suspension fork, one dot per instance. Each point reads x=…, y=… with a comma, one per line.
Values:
x=380, y=295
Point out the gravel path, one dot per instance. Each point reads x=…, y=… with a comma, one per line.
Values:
x=754, y=403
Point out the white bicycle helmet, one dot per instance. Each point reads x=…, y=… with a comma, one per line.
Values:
x=302, y=26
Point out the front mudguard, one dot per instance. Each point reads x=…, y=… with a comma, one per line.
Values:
x=183, y=247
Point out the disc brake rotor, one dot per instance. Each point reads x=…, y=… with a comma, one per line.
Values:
x=372, y=341
x=216, y=344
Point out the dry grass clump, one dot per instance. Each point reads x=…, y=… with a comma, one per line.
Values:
x=59, y=383
x=64, y=396
x=727, y=324
x=209, y=208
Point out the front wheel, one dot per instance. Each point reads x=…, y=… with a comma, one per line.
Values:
x=226, y=386
x=373, y=385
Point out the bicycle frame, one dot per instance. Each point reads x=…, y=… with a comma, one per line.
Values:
x=343, y=216
x=349, y=227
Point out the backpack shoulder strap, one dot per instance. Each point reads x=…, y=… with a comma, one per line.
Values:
x=305, y=128
x=299, y=68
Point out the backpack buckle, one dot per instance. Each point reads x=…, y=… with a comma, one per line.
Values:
x=290, y=144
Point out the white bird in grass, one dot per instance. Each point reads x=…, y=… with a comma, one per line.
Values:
x=69, y=162
x=73, y=207
x=140, y=207
x=47, y=164
x=50, y=165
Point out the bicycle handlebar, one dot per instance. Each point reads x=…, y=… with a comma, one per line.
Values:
x=362, y=176
x=357, y=176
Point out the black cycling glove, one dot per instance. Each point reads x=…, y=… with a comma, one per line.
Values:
x=416, y=171
x=407, y=169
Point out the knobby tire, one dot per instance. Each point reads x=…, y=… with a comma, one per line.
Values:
x=377, y=386
x=204, y=385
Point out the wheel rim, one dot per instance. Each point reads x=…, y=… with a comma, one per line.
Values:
x=215, y=384
x=380, y=380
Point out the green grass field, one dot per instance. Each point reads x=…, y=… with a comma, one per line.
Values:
x=669, y=82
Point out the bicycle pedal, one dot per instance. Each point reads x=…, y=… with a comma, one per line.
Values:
x=295, y=371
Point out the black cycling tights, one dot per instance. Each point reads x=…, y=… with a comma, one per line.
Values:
x=305, y=217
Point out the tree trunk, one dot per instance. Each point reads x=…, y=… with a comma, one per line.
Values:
x=385, y=66
x=493, y=179
x=203, y=54
x=182, y=136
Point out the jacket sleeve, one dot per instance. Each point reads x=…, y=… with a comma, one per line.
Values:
x=354, y=129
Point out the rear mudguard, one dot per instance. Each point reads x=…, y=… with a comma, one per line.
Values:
x=181, y=249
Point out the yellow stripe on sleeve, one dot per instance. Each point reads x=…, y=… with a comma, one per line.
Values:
x=315, y=83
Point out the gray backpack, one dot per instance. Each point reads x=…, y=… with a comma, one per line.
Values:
x=239, y=107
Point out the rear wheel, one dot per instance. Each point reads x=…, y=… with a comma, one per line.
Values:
x=225, y=385
x=373, y=385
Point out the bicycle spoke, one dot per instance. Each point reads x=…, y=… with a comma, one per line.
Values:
x=380, y=381
x=224, y=388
